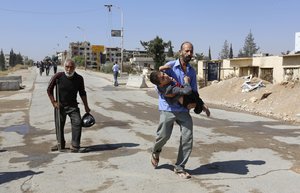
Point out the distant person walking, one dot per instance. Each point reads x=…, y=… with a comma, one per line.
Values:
x=54, y=63
x=171, y=113
x=115, y=70
x=41, y=67
x=69, y=83
x=47, y=67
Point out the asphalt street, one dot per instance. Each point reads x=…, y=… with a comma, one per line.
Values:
x=233, y=152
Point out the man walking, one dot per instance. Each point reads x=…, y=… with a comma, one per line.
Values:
x=115, y=70
x=171, y=113
x=69, y=84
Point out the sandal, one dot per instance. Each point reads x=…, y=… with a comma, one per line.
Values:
x=57, y=147
x=74, y=149
x=183, y=174
x=154, y=160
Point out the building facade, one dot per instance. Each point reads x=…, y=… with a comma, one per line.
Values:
x=274, y=69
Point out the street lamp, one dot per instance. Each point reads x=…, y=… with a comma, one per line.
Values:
x=84, y=43
x=122, y=31
x=67, y=51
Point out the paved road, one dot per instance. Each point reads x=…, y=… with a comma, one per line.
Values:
x=233, y=152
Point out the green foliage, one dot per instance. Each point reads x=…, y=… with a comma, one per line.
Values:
x=28, y=62
x=107, y=67
x=224, y=54
x=2, y=61
x=156, y=50
x=19, y=59
x=199, y=56
x=209, y=53
x=170, y=49
x=79, y=60
x=12, y=58
x=249, y=48
x=194, y=64
x=230, y=52
x=177, y=55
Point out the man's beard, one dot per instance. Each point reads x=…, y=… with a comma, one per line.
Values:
x=187, y=59
x=69, y=74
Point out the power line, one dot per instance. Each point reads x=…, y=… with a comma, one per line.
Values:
x=48, y=13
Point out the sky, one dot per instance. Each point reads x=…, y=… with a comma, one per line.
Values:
x=39, y=28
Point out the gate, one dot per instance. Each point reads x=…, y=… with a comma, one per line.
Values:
x=212, y=71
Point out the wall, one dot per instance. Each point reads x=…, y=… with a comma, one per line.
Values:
x=277, y=65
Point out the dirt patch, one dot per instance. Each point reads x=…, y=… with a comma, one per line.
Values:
x=279, y=101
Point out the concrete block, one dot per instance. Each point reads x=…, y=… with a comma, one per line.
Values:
x=137, y=81
x=6, y=85
x=17, y=78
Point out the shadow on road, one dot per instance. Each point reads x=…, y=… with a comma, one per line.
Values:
x=108, y=147
x=10, y=176
x=235, y=167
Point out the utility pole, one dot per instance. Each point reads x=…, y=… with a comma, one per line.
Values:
x=84, y=44
x=122, y=32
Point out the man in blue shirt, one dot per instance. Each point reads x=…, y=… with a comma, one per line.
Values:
x=170, y=113
x=115, y=70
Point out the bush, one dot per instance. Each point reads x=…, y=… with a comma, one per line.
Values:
x=107, y=67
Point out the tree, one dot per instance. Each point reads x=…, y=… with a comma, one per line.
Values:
x=2, y=60
x=79, y=60
x=225, y=51
x=19, y=59
x=209, y=54
x=12, y=58
x=199, y=56
x=156, y=50
x=249, y=48
x=170, y=49
x=230, y=52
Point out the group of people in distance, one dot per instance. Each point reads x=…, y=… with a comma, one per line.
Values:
x=176, y=85
x=46, y=65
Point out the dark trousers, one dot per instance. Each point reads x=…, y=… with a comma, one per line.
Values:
x=116, y=73
x=193, y=98
x=55, y=69
x=74, y=114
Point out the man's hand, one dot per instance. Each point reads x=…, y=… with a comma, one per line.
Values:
x=207, y=111
x=87, y=109
x=191, y=106
x=55, y=104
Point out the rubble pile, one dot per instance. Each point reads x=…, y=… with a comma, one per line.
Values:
x=251, y=94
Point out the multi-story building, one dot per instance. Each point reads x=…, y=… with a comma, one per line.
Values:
x=81, y=49
x=6, y=56
x=98, y=54
x=112, y=54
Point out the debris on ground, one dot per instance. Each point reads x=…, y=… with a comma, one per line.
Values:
x=249, y=85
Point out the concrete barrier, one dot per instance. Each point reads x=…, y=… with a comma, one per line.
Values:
x=6, y=85
x=17, y=78
x=137, y=81
x=10, y=83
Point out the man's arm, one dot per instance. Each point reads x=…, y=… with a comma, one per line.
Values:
x=186, y=89
x=82, y=94
x=50, y=90
x=165, y=67
x=85, y=103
